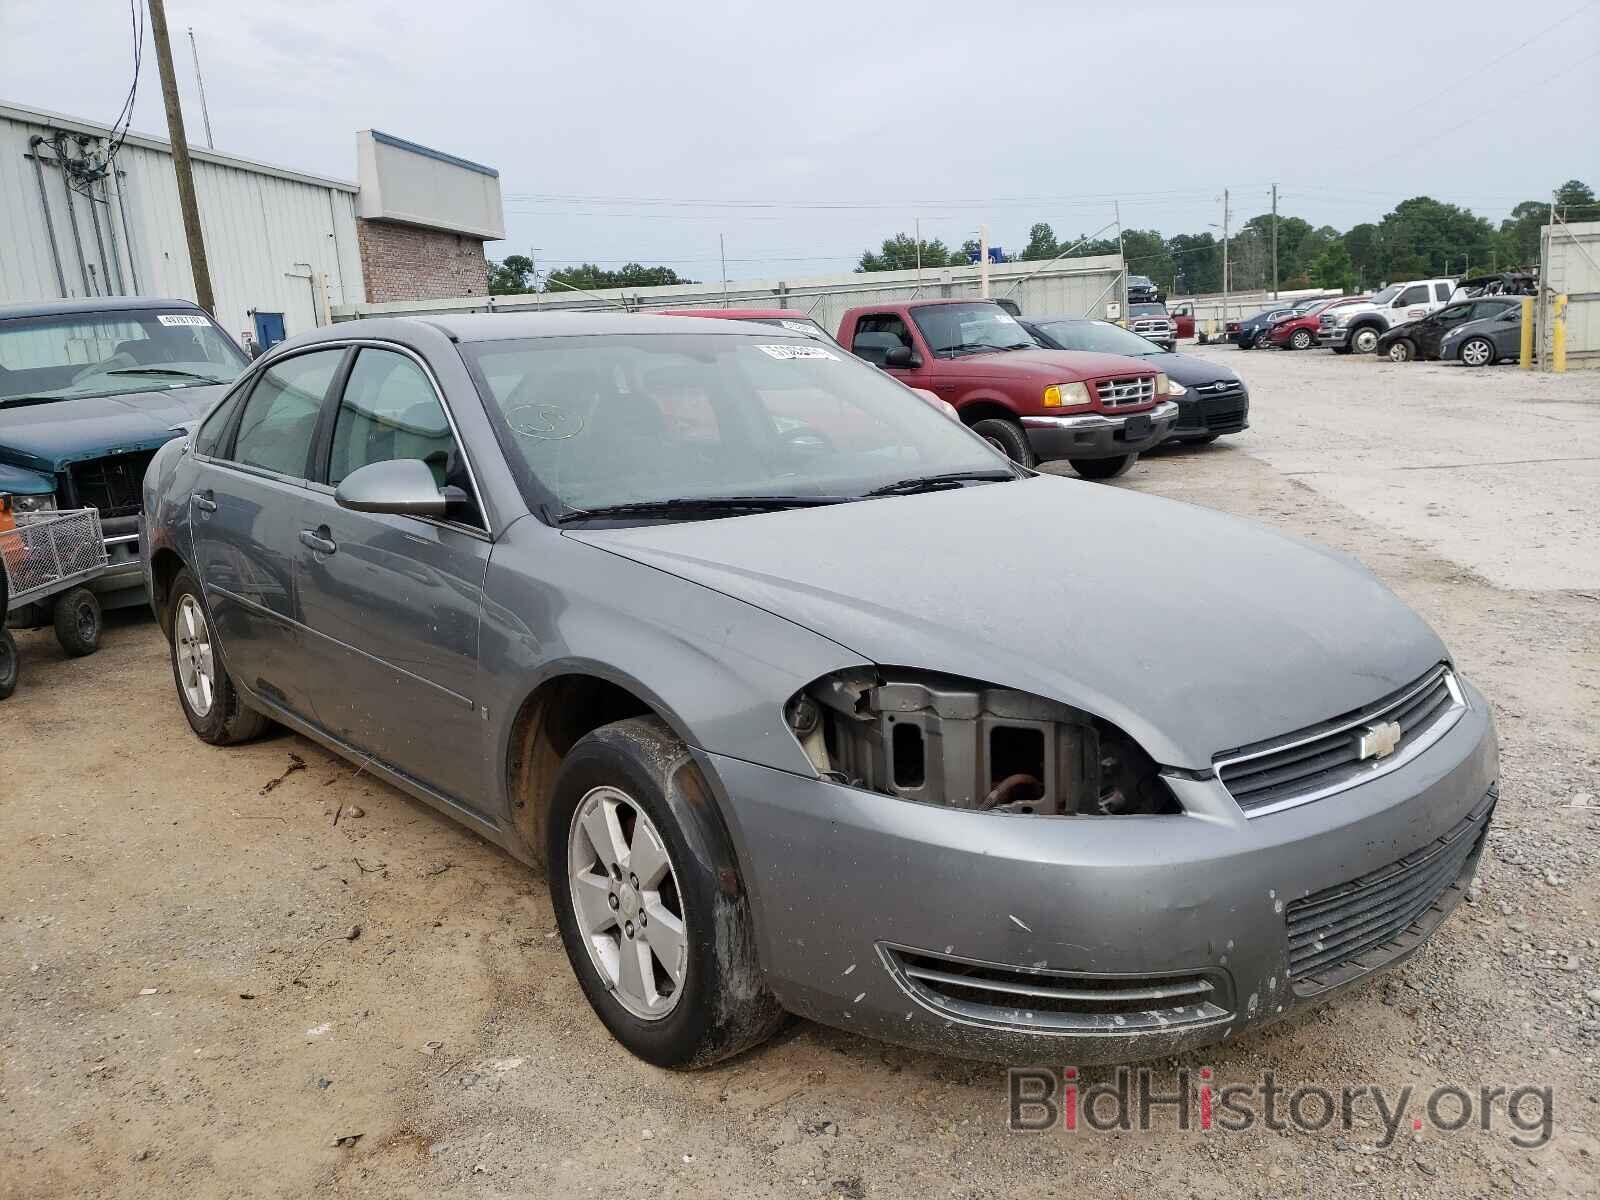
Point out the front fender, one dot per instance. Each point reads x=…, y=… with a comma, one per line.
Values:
x=21, y=481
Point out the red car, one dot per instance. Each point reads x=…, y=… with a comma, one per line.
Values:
x=1097, y=411
x=1300, y=332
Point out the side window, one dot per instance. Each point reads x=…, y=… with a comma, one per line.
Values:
x=877, y=334
x=1443, y=291
x=389, y=410
x=208, y=438
x=1416, y=294
x=1494, y=308
x=280, y=416
x=1456, y=312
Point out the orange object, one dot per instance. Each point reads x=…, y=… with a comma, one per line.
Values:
x=10, y=539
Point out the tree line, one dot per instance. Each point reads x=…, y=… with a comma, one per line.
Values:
x=513, y=275
x=1420, y=237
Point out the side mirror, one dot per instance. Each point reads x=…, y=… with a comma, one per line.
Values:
x=902, y=356
x=403, y=487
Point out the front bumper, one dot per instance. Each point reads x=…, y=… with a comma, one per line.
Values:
x=1202, y=415
x=1100, y=435
x=848, y=887
x=1333, y=335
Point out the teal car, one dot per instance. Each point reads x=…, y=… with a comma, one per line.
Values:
x=89, y=390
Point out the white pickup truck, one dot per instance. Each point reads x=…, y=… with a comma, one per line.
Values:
x=1357, y=327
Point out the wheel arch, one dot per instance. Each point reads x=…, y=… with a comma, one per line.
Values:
x=984, y=408
x=165, y=563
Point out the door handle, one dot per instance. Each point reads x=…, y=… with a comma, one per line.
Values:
x=204, y=501
x=318, y=540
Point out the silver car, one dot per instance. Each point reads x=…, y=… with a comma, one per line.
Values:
x=807, y=700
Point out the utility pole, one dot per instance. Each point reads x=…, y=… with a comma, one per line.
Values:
x=722, y=248
x=1274, y=241
x=983, y=261
x=199, y=81
x=1224, y=260
x=1122, y=305
x=918, y=221
x=180, y=159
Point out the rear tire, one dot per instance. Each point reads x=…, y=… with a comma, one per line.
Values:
x=210, y=702
x=1364, y=340
x=76, y=618
x=1402, y=351
x=1478, y=352
x=1300, y=339
x=633, y=831
x=1008, y=438
x=8, y=662
x=1103, y=468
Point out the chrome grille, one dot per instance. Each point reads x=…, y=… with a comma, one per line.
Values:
x=1026, y=998
x=1328, y=758
x=1125, y=390
x=1347, y=930
x=1151, y=326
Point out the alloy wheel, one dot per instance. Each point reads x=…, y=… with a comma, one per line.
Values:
x=1476, y=353
x=626, y=902
x=197, y=663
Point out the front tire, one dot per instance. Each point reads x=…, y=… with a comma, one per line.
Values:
x=8, y=662
x=1402, y=351
x=1300, y=339
x=1103, y=468
x=1008, y=438
x=214, y=709
x=76, y=618
x=647, y=896
x=1364, y=340
x=1478, y=352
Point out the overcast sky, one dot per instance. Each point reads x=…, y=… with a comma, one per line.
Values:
x=805, y=132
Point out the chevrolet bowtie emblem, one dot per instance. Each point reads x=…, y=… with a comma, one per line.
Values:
x=1379, y=741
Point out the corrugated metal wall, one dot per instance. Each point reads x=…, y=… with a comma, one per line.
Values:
x=1571, y=268
x=270, y=234
x=1076, y=286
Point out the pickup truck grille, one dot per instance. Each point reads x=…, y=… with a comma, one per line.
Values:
x=114, y=485
x=1329, y=758
x=1152, y=326
x=1125, y=390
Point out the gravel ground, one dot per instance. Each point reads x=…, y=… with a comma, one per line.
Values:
x=218, y=963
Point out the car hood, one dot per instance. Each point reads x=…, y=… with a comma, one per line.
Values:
x=1048, y=366
x=1194, y=631
x=1189, y=369
x=50, y=436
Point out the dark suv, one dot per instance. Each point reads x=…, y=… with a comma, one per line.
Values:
x=1420, y=339
x=89, y=389
x=1142, y=290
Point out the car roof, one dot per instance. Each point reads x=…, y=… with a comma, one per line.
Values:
x=736, y=314
x=1063, y=320
x=91, y=304
x=492, y=327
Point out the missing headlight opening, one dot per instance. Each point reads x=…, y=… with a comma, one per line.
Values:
x=961, y=744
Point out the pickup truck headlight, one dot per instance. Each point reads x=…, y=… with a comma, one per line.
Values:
x=1174, y=388
x=956, y=743
x=1065, y=395
x=1164, y=385
x=32, y=503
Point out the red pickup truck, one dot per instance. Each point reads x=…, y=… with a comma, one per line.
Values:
x=1097, y=411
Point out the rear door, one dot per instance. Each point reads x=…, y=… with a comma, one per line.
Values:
x=1432, y=331
x=246, y=508
x=393, y=602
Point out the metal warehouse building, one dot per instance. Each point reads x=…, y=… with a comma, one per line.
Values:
x=282, y=244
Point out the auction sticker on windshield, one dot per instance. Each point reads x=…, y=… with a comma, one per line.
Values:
x=793, y=352
x=182, y=319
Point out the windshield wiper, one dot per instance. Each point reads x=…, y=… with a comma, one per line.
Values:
x=970, y=348
x=685, y=505
x=934, y=483
x=163, y=371
x=31, y=399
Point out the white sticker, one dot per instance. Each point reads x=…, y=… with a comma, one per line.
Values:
x=182, y=319
x=1005, y=318
x=785, y=353
x=811, y=331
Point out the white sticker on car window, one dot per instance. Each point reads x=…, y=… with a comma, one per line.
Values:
x=784, y=353
x=182, y=319
x=810, y=331
x=1005, y=318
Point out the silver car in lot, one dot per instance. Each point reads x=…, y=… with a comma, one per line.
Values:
x=807, y=700
x=1484, y=342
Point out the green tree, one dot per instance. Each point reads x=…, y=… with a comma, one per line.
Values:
x=899, y=253
x=1364, y=244
x=1332, y=268
x=1577, y=199
x=590, y=278
x=1145, y=253
x=1517, y=243
x=511, y=276
x=1424, y=236
x=1197, y=263
x=1042, y=244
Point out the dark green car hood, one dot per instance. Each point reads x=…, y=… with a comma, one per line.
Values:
x=49, y=436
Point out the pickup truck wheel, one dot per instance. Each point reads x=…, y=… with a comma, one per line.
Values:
x=1008, y=438
x=1103, y=468
x=647, y=896
x=211, y=704
x=76, y=618
x=1364, y=340
x=8, y=663
x=1477, y=352
x=1301, y=339
x=1402, y=351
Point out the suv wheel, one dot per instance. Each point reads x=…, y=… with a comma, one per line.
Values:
x=1364, y=340
x=655, y=920
x=1103, y=468
x=1477, y=352
x=1008, y=438
x=211, y=703
x=1301, y=339
x=8, y=663
x=1402, y=351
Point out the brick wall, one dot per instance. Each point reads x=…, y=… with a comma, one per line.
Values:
x=402, y=262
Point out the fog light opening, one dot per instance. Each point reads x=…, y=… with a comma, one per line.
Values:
x=910, y=757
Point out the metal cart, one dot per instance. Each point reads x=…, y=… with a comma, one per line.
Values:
x=45, y=561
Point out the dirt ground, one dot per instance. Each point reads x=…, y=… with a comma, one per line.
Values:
x=216, y=963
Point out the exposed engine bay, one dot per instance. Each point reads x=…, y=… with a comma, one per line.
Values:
x=952, y=742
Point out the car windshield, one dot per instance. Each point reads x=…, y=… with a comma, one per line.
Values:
x=955, y=329
x=1388, y=294
x=107, y=353
x=804, y=326
x=1100, y=337
x=592, y=422
x=1147, y=310
x=1139, y=281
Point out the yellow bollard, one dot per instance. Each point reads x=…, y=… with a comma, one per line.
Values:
x=1526, y=361
x=1558, y=334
